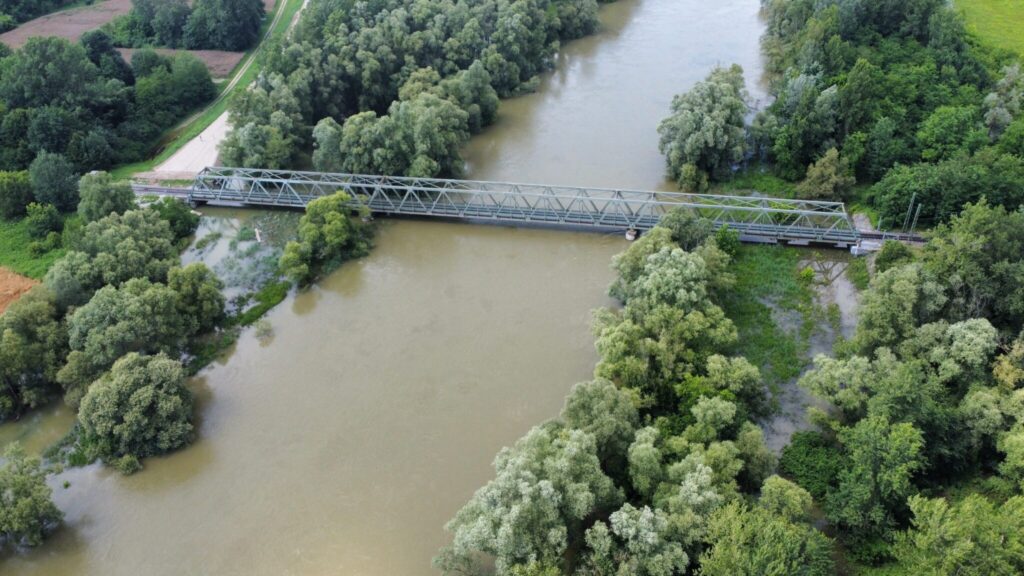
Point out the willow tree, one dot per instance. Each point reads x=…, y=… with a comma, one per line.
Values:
x=705, y=133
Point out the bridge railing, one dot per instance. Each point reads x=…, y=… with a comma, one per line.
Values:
x=774, y=218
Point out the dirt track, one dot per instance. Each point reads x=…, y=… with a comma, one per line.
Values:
x=12, y=286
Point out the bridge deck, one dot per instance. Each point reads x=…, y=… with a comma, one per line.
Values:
x=771, y=219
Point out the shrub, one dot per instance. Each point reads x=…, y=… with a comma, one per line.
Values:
x=15, y=194
x=43, y=219
x=812, y=462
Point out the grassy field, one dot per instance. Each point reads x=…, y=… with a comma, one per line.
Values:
x=999, y=23
x=15, y=254
x=758, y=179
x=181, y=135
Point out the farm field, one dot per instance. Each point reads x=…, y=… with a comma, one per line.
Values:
x=70, y=24
x=12, y=286
x=999, y=23
x=219, y=62
x=74, y=22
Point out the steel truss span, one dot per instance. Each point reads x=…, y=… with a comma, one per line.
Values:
x=765, y=219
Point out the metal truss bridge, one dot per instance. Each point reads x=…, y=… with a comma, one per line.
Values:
x=756, y=219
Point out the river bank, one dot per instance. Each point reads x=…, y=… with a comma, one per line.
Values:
x=344, y=442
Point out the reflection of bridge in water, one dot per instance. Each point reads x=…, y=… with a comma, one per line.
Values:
x=755, y=218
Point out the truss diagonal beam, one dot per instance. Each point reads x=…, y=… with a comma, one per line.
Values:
x=770, y=219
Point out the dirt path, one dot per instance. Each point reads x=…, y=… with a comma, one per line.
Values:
x=203, y=150
x=12, y=286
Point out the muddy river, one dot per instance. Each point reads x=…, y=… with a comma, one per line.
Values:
x=342, y=442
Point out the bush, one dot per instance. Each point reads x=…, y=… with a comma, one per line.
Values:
x=728, y=240
x=179, y=216
x=15, y=194
x=40, y=247
x=43, y=219
x=891, y=255
x=812, y=462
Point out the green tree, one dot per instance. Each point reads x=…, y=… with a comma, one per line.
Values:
x=327, y=153
x=200, y=300
x=42, y=219
x=785, y=499
x=47, y=71
x=182, y=220
x=232, y=25
x=112, y=250
x=899, y=300
x=688, y=229
x=883, y=459
x=828, y=178
x=15, y=194
x=704, y=135
x=979, y=255
x=27, y=512
x=142, y=407
x=545, y=486
x=608, y=413
x=758, y=459
x=137, y=317
x=327, y=236
x=891, y=255
x=1012, y=445
x=755, y=542
x=33, y=345
x=969, y=538
x=100, y=196
x=948, y=131
x=54, y=181
x=634, y=542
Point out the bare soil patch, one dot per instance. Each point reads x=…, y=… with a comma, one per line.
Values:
x=70, y=24
x=218, y=62
x=12, y=286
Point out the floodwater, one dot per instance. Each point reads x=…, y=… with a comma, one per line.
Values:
x=833, y=289
x=342, y=442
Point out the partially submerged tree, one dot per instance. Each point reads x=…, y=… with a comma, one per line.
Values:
x=27, y=512
x=704, y=136
x=141, y=408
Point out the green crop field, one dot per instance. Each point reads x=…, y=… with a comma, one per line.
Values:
x=999, y=23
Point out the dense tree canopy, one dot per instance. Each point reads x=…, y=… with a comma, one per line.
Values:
x=100, y=196
x=327, y=235
x=33, y=345
x=396, y=87
x=83, y=102
x=112, y=250
x=232, y=25
x=659, y=445
x=27, y=512
x=139, y=316
x=140, y=408
x=704, y=135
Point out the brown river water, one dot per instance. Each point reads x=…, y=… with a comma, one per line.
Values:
x=342, y=443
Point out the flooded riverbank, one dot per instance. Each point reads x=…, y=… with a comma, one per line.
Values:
x=342, y=444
